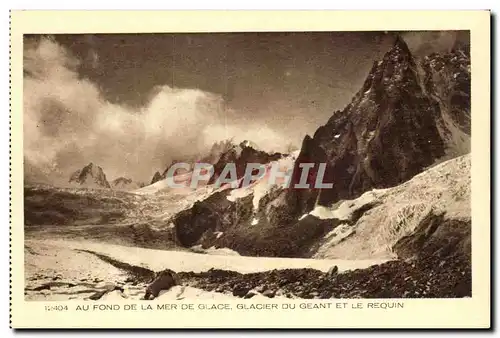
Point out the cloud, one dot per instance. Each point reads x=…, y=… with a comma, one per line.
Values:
x=424, y=43
x=68, y=123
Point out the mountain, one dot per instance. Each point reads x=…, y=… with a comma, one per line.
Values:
x=212, y=156
x=158, y=177
x=240, y=155
x=91, y=176
x=408, y=116
x=216, y=151
x=123, y=183
x=220, y=154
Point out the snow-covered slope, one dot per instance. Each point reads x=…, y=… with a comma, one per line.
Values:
x=395, y=212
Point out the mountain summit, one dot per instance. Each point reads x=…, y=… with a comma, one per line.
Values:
x=91, y=176
x=407, y=116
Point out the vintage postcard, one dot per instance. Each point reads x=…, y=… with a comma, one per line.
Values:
x=190, y=169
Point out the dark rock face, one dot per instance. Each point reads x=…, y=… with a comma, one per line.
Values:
x=122, y=180
x=241, y=155
x=123, y=183
x=216, y=213
x=437, y=236
x=448, y=82
x=220, y=154
x=248, y=232
x=266, y=239
x=211, y=157
x=303, y=200
x=393, y=128
x=92, y=175
x=156, y=177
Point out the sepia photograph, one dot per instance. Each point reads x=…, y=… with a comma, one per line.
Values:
x=297, y=165
x=250, y=169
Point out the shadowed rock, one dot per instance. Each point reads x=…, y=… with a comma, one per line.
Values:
x=164, y=280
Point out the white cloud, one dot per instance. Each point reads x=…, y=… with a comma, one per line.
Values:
x=68, y=123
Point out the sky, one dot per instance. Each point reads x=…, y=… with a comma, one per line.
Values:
x=133, y=102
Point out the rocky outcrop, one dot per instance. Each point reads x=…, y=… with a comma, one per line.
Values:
x=156, y=177
x=123, y=183
x=447, y=81
x=214, y=214
x=437, y=236
x=90, y=176
x=240, y=155
x=164, y=280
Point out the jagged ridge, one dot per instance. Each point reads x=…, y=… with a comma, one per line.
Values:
x=91, y=175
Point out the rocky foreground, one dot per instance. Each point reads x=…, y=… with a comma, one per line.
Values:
x=430, y=278
x=442, y=273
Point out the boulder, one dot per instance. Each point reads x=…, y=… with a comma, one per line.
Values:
x=164, y=280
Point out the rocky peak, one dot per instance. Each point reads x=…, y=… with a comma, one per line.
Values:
x=390, y=77
x=124, y=183
x=247, y=144
x=156, y=177
x=400, y=47
x=402, y=121
x=242, y=154
x=122, y=180
x=91, y=175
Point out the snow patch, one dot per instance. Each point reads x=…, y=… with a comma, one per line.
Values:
x=238, y=193
x=214, y=251
x=322, y=212
x=346, y=208
x=261, y=187
x=221, y=251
